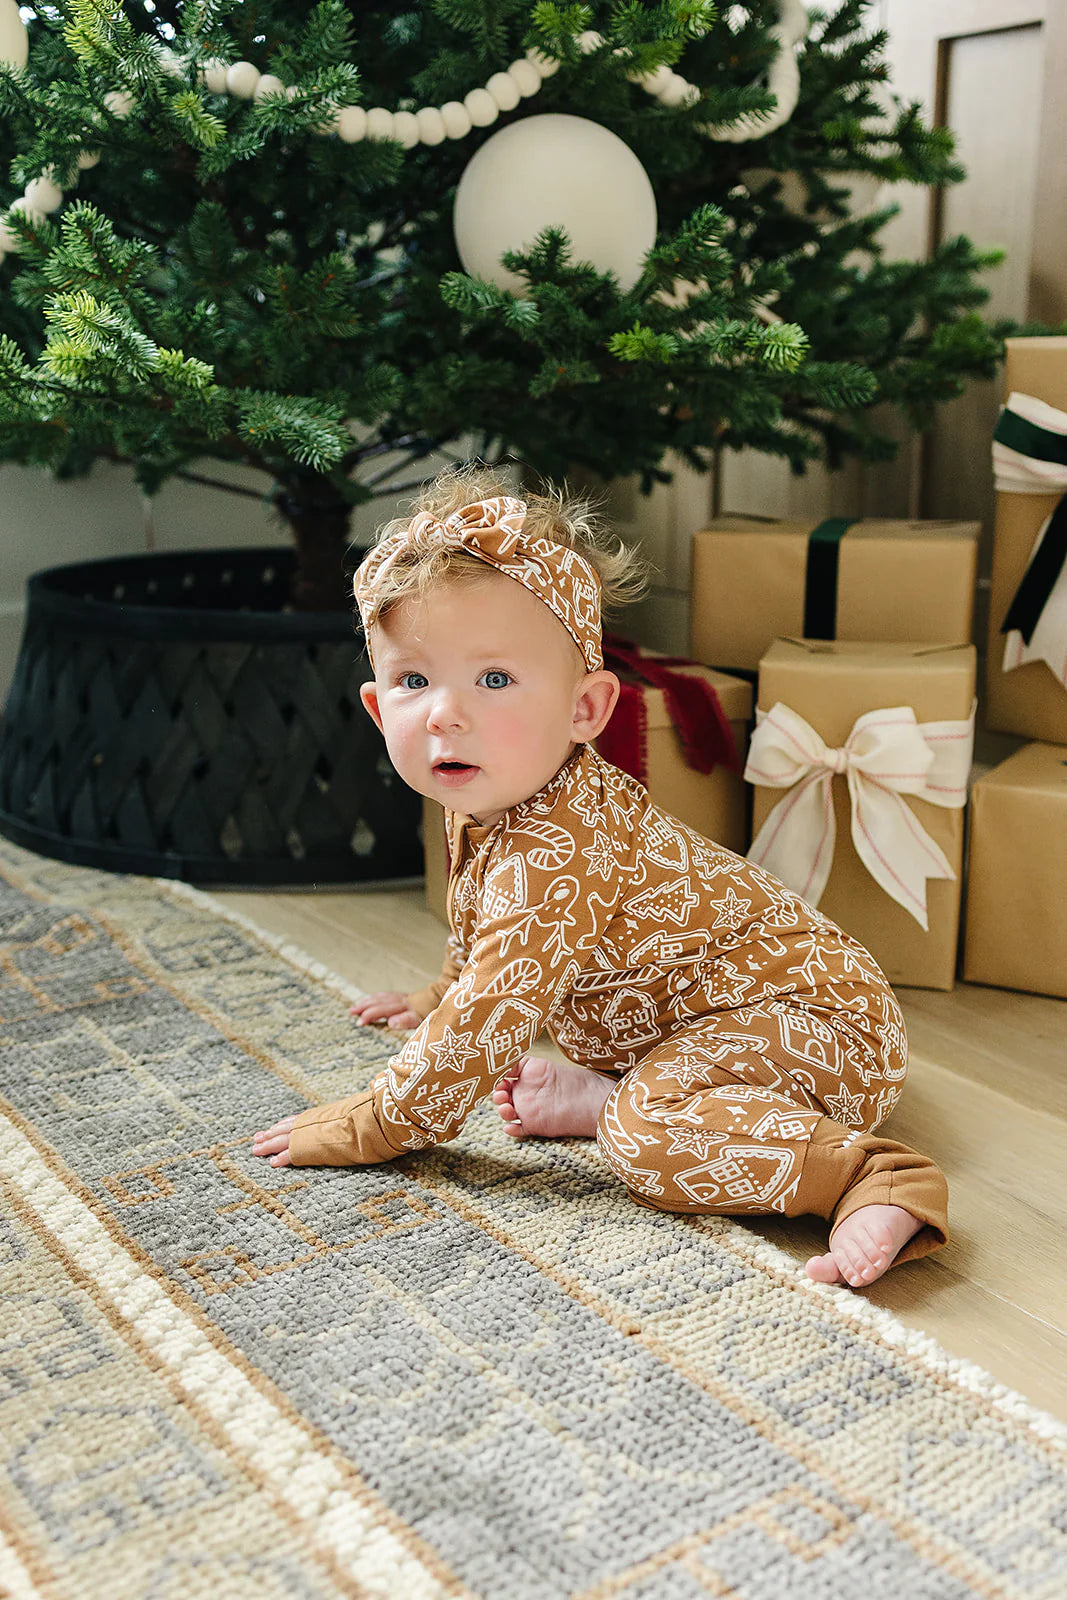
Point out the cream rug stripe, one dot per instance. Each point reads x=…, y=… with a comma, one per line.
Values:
x=282, y=1455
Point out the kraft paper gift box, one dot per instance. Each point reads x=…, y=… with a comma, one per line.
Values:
x=435, y=851
x=756, y=580
x=714, y=803
x=907, y=763
x=1030, y=698
x=1016, y=912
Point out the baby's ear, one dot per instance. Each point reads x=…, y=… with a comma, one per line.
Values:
x=595, y=702
x=368, y=693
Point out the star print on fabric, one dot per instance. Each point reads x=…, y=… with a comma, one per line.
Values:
x=732, y=910
x=845, y=1107
x=699, y=1142
x=453, y=1050
x=601, y=856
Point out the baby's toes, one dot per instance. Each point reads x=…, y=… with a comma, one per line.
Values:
x=875, y=1248
x=502, y=1101
x=852, y=1262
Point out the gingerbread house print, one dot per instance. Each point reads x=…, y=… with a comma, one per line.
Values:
x=632, y=1018
x=511, y=1029
x=665, y=948
x=505, y=888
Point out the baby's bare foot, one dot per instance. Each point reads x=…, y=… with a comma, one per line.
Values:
x=864, y=1246
x=545, y=1099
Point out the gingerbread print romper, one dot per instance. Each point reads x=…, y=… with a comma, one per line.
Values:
x=757, y=1046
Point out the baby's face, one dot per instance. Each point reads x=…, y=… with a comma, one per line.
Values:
x=476, y=690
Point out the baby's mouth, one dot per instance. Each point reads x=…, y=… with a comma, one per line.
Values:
x=452, y=772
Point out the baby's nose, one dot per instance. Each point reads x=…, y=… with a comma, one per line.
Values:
x=447, y=711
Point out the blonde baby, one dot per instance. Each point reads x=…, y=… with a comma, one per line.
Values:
x=732, y=1050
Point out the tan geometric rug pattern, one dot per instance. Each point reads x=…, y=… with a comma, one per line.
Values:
x=479, y=1371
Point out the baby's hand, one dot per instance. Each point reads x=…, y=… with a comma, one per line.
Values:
x=387, y=1007
x=275, y=1143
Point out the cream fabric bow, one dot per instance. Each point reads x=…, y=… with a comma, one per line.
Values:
x=1015, y=473
x=886, y=756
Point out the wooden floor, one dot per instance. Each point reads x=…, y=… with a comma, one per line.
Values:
x=987, y=1096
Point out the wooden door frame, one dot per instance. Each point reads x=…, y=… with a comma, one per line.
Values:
x=916, y=25
x=921, y=34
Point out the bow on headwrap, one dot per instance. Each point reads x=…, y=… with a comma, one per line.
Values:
x=492, y=531
x=1030, y=457
x=887, y=755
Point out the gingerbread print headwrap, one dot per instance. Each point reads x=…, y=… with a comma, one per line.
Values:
x=492, y=530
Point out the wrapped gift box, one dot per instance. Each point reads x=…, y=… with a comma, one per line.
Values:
x=714, y=803
x=754, y=581
x=831, y=685
x=435, y=850
x=1016, y=915
x=1027, y=700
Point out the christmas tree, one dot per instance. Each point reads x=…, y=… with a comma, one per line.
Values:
x=213, y=252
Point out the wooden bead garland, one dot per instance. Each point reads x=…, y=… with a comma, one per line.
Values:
x=430, y=125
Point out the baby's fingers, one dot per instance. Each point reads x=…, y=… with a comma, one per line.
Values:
x=285, y=1126
x=375, y=1010
x=262, y=1145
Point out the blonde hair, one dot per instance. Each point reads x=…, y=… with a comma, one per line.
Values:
x=571, y=521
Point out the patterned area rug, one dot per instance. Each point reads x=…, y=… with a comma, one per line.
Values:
x=479, y=1371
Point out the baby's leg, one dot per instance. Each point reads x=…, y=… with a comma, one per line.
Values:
x=713, y=1121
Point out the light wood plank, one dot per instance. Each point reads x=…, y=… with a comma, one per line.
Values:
x=987, y=1096
x=1014, y=1043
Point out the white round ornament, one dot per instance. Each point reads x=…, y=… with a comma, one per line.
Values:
x=481, y=107
x=213, y=74
x=525, y=76
x=504, y=90
x=14, y=41
x=555, y=171
x=43, y=195
x=431, y=125
x=119, y=102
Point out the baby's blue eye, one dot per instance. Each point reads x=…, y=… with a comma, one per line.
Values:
x=406, y=683
x=494, y=679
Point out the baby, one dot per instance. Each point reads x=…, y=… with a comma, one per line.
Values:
x=734, y=1050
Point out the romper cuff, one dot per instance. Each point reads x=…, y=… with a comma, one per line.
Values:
x=344, y=1134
